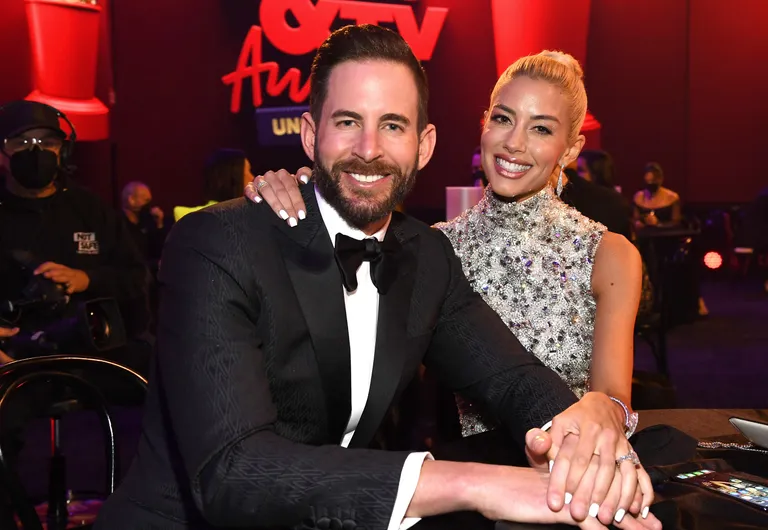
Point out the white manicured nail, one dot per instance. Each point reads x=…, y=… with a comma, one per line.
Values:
x=594, y=509
x=292, y=222
x=283, y=214
x=645, y=512
x=304, y=179
x=619, y=515
x=551, y=465
x=568, y=498
x=302, y=215
x=257, y=199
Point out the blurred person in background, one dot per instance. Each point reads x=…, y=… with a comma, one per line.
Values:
x=479, y=179
x=588, y=188
x=146, y=221
x=226, y=172
x=656, y=205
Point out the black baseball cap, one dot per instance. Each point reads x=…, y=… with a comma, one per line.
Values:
x=18, y=117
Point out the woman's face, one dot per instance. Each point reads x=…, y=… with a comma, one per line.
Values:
x=525, y=137
x=651, y=178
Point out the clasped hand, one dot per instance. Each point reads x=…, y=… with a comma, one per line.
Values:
x=582, y=448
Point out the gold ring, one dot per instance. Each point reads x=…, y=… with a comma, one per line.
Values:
x=260, y=184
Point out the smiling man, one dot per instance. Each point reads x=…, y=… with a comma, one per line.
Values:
x=281, y=349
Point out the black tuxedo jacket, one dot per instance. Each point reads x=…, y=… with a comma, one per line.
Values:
x=250, y=393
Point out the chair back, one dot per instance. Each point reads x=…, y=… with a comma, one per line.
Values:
x=91, y=382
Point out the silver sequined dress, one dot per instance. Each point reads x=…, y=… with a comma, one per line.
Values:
x=532, y=263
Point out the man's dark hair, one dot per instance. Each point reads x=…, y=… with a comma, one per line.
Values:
x=361, y=43
x=600, y=165
x=223, y=175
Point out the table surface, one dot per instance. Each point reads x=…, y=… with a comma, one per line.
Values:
x=700, y=423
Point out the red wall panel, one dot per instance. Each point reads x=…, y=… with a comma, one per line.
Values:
x=728, y=100
x=637, y=86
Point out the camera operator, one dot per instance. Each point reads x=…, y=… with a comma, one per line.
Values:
x=68, y=234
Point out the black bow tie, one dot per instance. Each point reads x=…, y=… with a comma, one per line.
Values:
x=351, y=253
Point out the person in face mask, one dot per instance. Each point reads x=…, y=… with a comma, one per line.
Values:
x=76, y=240
x=146, y=221
x=655, y=205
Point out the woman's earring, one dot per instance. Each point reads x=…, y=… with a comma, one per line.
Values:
x=560, y=181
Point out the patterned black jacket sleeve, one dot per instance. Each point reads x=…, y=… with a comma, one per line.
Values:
x=215, y=381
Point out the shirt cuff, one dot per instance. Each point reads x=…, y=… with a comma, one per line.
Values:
x=409, y=479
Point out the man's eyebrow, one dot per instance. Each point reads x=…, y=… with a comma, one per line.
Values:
x=346, y=114
x=393, y=116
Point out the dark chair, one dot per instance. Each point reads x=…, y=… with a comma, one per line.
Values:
x=54, y=386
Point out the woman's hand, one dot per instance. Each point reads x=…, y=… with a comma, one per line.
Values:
x=281, y=191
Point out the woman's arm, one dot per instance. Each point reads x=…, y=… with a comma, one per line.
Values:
x=616, y=284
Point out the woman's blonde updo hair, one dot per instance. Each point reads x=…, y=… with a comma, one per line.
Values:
x=560, y=69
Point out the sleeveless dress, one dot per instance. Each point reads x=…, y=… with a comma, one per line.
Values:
x=531, y=261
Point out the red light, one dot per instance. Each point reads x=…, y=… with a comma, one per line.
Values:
x=713, y=260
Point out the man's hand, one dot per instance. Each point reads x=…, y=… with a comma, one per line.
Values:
x=5, y=333
x=281, y=191
x=158, y=215
x=584, y=442
x=75, y=281
x=519, y=494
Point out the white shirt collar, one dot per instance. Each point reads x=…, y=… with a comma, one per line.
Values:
x=335, y=224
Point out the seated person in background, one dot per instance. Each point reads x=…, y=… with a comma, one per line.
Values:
x=656, y=205
x=146, y=222
x=587, y=188
x=478, y=174
x=226, y=172
x=65, y=233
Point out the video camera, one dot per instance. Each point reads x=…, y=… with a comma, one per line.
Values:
x=50, y=324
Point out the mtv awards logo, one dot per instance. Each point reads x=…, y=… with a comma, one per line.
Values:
x=311, y=25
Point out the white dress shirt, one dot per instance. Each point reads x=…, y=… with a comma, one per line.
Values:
x=362, y=308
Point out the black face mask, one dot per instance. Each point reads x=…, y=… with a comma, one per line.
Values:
x=653, y=187
x=145, y=216
x=479, y=174
x=34, y=168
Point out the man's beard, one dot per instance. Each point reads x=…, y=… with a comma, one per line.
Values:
x=363, y=209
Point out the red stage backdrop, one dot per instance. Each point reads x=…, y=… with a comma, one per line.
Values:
x=670, y=81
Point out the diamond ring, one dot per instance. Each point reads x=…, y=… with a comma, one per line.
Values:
x=631, y=456
x=260, y=184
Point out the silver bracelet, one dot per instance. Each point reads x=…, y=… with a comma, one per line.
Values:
x=749, y=446
x=630, y=418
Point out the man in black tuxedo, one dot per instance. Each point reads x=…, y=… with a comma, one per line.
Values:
x=282, y=347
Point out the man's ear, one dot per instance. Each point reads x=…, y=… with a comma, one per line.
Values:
x=572, y=153
x=308, y=135
x=427, y=141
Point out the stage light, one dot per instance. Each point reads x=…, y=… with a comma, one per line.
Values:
x=713, y=260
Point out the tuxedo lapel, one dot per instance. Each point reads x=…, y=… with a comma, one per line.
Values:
x=318, y=287
x=391, y=336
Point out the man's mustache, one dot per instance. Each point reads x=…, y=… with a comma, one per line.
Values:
x=376, y=167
